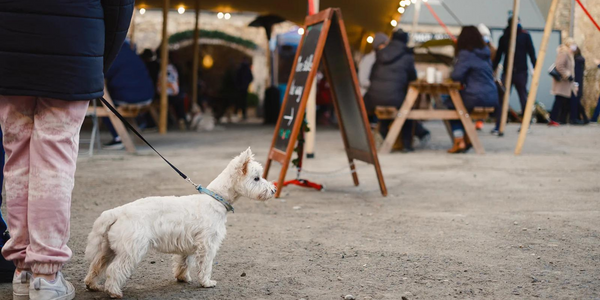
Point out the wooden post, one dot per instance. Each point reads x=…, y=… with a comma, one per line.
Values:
x=415, y=22
x=535, y=81
x=196, y=58
x=311, y=107
x=509, y=67
x=164, y=62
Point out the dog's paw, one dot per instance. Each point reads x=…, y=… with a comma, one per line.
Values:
x=115, y=296
x=92, y=287
x=184, y=278
x=209, y=284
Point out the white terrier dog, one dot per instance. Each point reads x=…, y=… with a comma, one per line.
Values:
x=188, y=226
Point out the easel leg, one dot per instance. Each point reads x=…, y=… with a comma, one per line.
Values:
x=281, y=179
x=353, y=171
x=466, y=121
x=119, y=127
x=396, y=127
x=267, y=167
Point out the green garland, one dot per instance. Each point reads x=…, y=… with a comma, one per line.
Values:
x=212, y=34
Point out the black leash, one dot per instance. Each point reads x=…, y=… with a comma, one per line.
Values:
x=114, y=111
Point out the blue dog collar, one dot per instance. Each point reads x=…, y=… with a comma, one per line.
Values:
x=217, y=197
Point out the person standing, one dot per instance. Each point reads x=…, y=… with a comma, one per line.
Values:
x=366, y=63
x=243, y=79
x=578, y=115
x=473, y=69
x=52, y=58
x=564, y=88
x=7, y=268
x=524, y=48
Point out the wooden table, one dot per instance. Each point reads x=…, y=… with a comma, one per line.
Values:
x=408, y=111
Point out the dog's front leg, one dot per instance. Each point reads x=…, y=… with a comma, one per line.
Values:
x=205, y=256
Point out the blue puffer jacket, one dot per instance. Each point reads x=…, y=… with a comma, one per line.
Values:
x=59, y=49
x=128, y=79
x=474, y=70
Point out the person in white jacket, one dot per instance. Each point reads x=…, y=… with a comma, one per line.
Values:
x=366, y=63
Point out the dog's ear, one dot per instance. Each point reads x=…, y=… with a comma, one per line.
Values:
x=245, y=158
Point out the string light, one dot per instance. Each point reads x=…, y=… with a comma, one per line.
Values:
x=394, y=23
x=220, y=15
x=181, y=10
x=227, y=16
x=370, y=39
x=142, y=11
x=401, y=10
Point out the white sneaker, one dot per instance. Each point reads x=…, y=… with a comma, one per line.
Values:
x=60, y=289
x=20, y=285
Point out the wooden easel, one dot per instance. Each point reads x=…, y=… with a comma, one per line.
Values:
x=324, y=38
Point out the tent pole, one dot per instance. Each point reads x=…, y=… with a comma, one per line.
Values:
x=164, y=61
x=536, y=77
x=509, y=68
x=196, y=58
x=415, y=22
x=311, y=106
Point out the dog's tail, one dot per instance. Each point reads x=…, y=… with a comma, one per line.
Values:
x=98, y=238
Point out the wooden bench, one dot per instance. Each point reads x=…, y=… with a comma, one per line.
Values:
x=423, y=110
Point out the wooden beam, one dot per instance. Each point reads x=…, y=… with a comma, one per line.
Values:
x=428, y=114
x=509, y=68
x=132, y=30
x=196, y=58
x=164, y=62
x=535, y=81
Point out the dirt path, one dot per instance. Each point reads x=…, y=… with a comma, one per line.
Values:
x=466, y=226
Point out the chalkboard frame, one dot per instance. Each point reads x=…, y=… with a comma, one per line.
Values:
x=326, y=17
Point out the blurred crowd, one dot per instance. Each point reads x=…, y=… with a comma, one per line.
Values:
x=385, y=74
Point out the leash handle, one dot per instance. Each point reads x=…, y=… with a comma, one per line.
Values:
x=114, y=111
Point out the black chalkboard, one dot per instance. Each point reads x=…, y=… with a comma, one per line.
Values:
x=304, y=64
x=344, y=89
x=325, y=38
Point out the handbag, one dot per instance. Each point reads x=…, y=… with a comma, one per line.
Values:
x=554, y=73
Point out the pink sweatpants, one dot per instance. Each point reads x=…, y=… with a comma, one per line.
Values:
x=41, y=139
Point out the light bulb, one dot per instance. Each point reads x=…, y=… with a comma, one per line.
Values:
x=142, y=11
x=401, y=10
x=300, y=31
x=394, y=23
x=370, y=39
x=220, y=15
x=413, y=1
x=227, y=16
x=181, y=10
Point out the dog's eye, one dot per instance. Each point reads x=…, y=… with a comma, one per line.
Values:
x=256, y=178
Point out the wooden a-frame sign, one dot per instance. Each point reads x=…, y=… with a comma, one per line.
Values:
x=324, y=39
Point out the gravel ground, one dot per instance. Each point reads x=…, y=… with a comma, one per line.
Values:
x=491, y=226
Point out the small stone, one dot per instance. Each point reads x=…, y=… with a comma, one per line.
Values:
x=404, y=298
x=349, y=297
x=524, y=229
x=243, y=274
x=539, y=228
x=152, y=262
x=516, y=223
x=340, y=278
x=297, y=207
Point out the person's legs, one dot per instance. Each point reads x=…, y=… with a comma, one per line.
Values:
x=520, y=82
x=7, y=268
x=596, y=112
x=16, y=121
x=53, y=154
x=110, y=127
x=384, y=127
x=556, y=108
x=574, y=106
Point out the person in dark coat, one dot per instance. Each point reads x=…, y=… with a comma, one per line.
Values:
x=128, y=82
x=524, y=48
x=473, y=68
x=392, y=72
x=578, y=115
x=53, y=55
x=243, y=79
